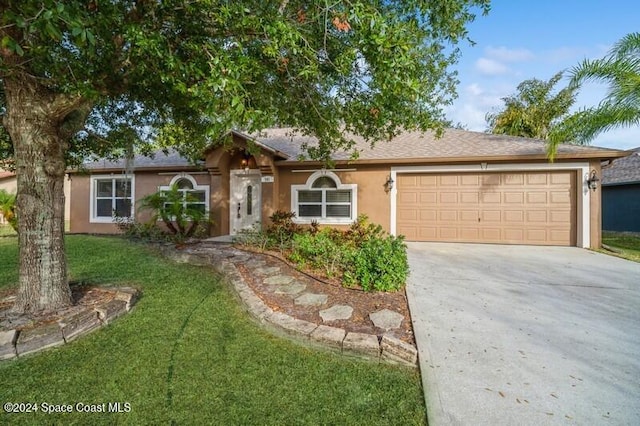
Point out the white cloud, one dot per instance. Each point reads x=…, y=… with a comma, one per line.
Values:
x=474, y=89
x=505, y=54
x=490, y=67
x=472, y=106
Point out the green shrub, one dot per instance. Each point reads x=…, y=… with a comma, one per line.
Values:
x=361, y=230
x=364, y=255
x=149, y=231
x=380, y=263
x=281, y=231
x=323, y=250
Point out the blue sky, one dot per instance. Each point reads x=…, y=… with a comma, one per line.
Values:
x=520, y=40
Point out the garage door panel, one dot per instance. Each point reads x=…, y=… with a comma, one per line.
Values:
x=513, y=216
x=408, y=215
x=491, y=234
x=491, y=216
x=562, y=179
x=427, y=180
x=561, y=217
x=559, y=235
x=491, y=197
x=537, y=198
x=516, y=234
x=469, y=197
x=537, y=216
x=469, y=180
x=537, y=179
x=448, y=216
x=513, y=179
x=448, y=233
x=469, y=233
x=428, y=198
x=513, y=198
x=511, y=207
x=449, y=197
x=448, y=180
x=469, y=216
x=489, y=179
x=536, y=235
x=560, y=197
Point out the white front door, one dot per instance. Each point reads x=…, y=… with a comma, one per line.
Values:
x=245, y=207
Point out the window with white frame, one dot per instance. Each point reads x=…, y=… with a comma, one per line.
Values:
x=111, y=196
x=193, y=195
x=324, y=199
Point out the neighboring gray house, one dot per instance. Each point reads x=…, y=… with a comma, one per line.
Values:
x=621, y=194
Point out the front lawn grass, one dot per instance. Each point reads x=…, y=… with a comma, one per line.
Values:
x=188, y=354
x=627, y=244
x=7, y=230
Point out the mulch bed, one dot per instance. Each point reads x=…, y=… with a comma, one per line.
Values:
x=363, y=303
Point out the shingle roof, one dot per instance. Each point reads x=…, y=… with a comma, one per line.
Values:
x=454, y=144
x=159, y=160
x=623, y=170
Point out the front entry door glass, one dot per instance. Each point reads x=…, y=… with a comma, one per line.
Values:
x=245, y=201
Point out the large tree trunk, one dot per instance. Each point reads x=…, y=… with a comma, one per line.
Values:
x=35, y=119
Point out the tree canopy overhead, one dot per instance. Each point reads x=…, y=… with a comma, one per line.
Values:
x=93, y=76
x=192, y=70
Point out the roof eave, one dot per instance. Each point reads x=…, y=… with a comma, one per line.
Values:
x=602, y=155
x=176, y=168
x=262, y=145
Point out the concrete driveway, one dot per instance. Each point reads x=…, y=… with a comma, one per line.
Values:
x=521, y=335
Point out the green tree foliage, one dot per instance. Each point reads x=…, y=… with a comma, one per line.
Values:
x=620, y=70
x=8, y=208
x=91, y=77
x=535, y=111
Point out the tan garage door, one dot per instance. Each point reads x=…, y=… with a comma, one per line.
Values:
x=507, y=208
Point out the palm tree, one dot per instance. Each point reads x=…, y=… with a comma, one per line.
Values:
x=620, y=69
x=176, y=209
x=534, y=111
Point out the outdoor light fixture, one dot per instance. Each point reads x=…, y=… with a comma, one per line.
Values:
x=592, y=181
x=244, y=163
x=388, y=185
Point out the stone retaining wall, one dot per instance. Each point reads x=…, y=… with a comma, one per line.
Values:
x=19, y=342
x=386, y=348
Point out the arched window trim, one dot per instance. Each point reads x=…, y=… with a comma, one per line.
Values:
x=325, y=217
x=196, y=188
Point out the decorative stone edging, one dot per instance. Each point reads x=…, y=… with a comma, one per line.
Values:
x=19, y=342
x=387, y=348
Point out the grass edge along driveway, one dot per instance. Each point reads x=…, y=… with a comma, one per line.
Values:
x=189, y=354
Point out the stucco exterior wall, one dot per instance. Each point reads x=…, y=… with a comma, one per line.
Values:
x=596, y=209
x=145, y=183
x=373, y=200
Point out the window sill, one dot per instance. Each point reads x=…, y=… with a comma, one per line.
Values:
x=104, y=220
x=332, y=221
